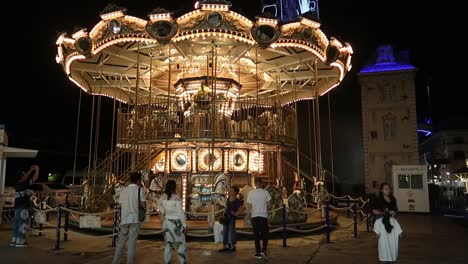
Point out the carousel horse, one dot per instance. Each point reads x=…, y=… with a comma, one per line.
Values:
x=216, y=195
x=276, y=217
x=295, y=202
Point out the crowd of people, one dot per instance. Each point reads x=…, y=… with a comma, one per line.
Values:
x=257, y=203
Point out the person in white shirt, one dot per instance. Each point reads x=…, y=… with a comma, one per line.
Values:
x=259, y=200
x=129, y=222
x=173, y=221
x=389, y=231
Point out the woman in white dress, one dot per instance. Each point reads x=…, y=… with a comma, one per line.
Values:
x=174, y=225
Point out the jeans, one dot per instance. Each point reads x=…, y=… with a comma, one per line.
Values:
x=20, y=225
x=260, y=228
x=127, y=232
x=229, y=232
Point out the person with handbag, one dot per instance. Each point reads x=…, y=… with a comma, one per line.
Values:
x=133, y=203
x=173, y=221
x=22, y=205
x=228, y=220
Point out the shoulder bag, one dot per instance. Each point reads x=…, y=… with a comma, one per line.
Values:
x=141, y=210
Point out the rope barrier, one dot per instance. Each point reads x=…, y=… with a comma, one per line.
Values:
x=361, y=222
x=303, y=212
x=344, y=209
x=204, y=214
x=343, y=227
x=306, y=230
x=81, y=213
x=199, y=235
x=45, y=210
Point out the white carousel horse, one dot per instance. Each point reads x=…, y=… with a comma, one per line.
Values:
x=215, y=196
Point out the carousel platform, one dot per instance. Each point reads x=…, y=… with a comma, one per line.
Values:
x=201, y=227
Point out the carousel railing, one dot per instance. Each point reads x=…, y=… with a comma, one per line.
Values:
x=250, y=120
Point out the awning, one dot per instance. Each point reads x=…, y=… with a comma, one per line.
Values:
x=9, y=152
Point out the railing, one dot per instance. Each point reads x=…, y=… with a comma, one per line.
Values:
x=254, y=120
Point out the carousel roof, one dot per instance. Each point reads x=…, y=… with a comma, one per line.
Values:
x=294, y=60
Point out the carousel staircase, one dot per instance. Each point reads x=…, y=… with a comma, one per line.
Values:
x=120, y=163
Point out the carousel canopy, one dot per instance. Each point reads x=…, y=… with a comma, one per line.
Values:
x=133, y=59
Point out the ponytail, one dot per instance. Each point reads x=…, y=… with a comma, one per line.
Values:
x=170, y=188
x=386, y=221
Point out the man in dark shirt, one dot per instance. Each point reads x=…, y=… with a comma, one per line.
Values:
x=22, y=200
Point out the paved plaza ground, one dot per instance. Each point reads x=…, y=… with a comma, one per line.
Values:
x=427, y=239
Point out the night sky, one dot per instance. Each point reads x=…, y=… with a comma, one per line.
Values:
x=39, y=106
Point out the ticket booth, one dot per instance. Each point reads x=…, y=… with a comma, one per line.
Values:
x=410, y=188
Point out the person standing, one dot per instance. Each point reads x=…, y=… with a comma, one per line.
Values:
x=131, y=198
x=385, y=201
x=259, y=200
x=230, y=216
x=388, y=231
x=22, y=204
x=173, y=221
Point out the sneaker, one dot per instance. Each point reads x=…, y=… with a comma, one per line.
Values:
x=263, y=254
x=224, y=249
x=22, y=245
x=258, y=255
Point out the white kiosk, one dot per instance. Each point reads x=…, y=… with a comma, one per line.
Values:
x=410, y=188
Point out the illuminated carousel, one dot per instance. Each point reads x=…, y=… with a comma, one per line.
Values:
x=207, y=98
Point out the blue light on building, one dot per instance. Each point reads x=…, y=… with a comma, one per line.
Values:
x=386, y=67
x=425, y=132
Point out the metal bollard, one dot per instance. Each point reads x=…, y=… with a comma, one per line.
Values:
x=66, y=218
x=40, y=225
x=59, y=223
x=284, y=225
x=360, y=214
x=368, y=217
x=327, y=221
x=355, y=219
x=115, y=225
x=347, y=205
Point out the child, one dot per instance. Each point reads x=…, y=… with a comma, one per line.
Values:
x=389, y=231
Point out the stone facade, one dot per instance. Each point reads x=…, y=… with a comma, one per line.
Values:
x=389, y=118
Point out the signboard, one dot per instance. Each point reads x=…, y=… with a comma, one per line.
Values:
x=90, y=221
x=290, y=10
x=410, y=188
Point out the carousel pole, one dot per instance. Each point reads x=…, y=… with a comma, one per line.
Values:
x=257, y=115
x=149, y=114
x=298, y=163
x=331, y=145
x=76, y=137
x=166, y=150
x=90, y=153
x=319, y=146
x=137, y=112
x=96, y=134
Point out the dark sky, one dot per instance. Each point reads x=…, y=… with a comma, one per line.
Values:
x=39, y=106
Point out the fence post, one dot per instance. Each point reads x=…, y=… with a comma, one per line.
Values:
x=40, y=225
x=355, y=218
x=115, y=225
x=368, y=216
x=347, y=205
x=360, y=213
x=66, y=217
x=59, y=223
x=327, y=220
x=284, y=225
